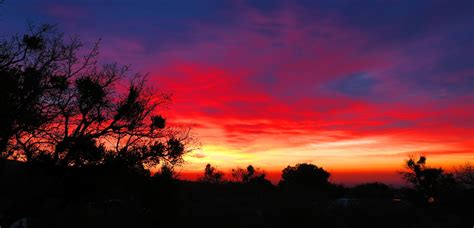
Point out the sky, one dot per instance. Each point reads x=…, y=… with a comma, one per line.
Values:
x=352, y=86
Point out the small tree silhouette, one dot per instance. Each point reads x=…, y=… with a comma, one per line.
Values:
x=304, y=175
x=212, y=175
x=247, y=175
x=427, y=180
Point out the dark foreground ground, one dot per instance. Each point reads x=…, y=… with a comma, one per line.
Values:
x=53, y=197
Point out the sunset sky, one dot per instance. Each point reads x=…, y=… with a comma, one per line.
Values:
x=351, y=86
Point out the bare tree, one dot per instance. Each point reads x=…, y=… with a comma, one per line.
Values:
x=65, y=108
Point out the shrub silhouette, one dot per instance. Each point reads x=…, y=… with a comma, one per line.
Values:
x=464, y=175
x=212, y=175
x=165, y=174
x=304, y=175
x=247, y=175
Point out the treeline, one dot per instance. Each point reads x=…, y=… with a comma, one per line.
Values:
x=93, y=196
x=430, y=185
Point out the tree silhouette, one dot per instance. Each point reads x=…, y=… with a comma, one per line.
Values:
x=426, y=180
x=66, y=109
x=211, y=175
x=304, y=175
x=27, y=86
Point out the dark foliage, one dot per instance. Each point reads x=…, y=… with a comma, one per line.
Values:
x=464, y=175
x=372, y=190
